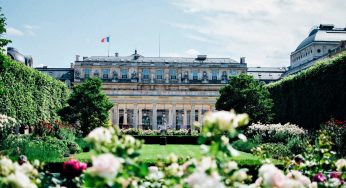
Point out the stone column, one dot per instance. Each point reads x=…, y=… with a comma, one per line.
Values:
x=139, y=77
x=125, y=116
x=116, y=116
x=200, y=116
x=154, y=117
x=185, y=118
x=170, y=117
x=135, y=117
x=174, y=116
x=193, y=116
x=140, y=118
x=111, y=115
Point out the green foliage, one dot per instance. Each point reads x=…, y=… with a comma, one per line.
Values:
x=88, y=105
x=245, y=146
x=312, y=96
x=246, y=95
x=3, y=42
x=337, y=131
x=43, y=148
x=272, y=150
x=27, y=94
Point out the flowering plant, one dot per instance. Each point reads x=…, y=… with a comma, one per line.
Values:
x=7, y=125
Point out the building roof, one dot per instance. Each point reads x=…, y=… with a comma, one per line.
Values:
x=266, y=69
x=139, y=58
x=324, y=33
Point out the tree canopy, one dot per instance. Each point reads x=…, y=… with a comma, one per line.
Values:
x=244, y=94
x=3, y=42
x=87, y=105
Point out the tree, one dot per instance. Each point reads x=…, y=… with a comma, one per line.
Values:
x=246, y=95
x=88, y=105
x=3, y=42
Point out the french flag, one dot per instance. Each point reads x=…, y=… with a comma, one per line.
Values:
x=105, y=39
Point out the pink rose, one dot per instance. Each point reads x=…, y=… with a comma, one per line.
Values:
x=73, y=168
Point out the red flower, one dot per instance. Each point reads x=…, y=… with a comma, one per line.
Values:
x=73, y=168
x=319, y=177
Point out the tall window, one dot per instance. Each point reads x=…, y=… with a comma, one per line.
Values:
x=224, y=75
x=86, y=73
x=195, y=75
x=214, y=74
x=159, y=74
x=105, y=73
x=173, y=74
x=145, y=74
x=124, y=73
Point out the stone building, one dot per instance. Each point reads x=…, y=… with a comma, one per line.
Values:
x=63, y=74
x=266, y=74
x=159, y=92
x=320, y=42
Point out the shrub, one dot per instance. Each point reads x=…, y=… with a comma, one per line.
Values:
x=297, y=145
x=337, y=130
x=47, y=148
x=312, y=96
x=272, y=150
x=29, y=95
x=275, y=132
x=245, y=146
x=7, y=126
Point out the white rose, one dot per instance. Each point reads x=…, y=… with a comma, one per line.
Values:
x=129, y=140
x=20, y=180
x=100, y=134
x=224, y=139
x=6, y=166
x=106, y=166
x=272, y=176
x=340, y=164
x=202, y=180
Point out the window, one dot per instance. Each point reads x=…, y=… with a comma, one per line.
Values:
x=159, y=74
x=124, y=73
x=145, y=74
x=195, y=75
x=224, y=75
x=233, y=72
x=318, y=50
x=214, y=74
x=105, y=73
x=173, y=74
x=86, y=73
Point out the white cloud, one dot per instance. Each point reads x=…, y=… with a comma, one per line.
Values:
x=192, y=52
x=265, y=31
x=30, y=29
x=14, y=32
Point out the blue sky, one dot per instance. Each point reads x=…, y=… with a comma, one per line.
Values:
x=265, y=32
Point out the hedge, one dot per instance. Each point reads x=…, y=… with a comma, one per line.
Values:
x=312, y=96
x=27, y=94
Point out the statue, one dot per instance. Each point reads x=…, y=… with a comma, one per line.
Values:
x=77, y=74
x=205, y=75
x=115, y=75
x=133, y=75
x=96, y=73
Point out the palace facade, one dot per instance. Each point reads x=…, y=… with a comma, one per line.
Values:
x=159, y=92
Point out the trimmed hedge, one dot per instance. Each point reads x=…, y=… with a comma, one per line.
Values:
x=312, y=96
x=27, y=94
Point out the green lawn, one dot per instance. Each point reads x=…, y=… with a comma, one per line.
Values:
x=151, y=153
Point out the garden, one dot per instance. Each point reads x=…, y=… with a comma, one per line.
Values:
x=53, y=137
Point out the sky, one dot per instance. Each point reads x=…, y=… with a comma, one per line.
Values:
x=263, y=31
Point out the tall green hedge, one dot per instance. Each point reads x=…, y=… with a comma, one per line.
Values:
x=27, y=94
x=312, y=96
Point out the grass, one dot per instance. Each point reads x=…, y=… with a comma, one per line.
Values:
x=152, y=153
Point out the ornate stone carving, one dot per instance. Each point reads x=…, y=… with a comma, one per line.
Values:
x=77, y=73
x=133, y=75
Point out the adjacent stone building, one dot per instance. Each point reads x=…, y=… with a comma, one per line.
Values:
x=159, y=92
x=63, y=74
x=266, y=74
x=320, y=43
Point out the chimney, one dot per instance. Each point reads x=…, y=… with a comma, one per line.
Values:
x=45, y=66
x=77, y=57
x=242, y=60
x=84, y=58
x=116, y=54
x=72, y=65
